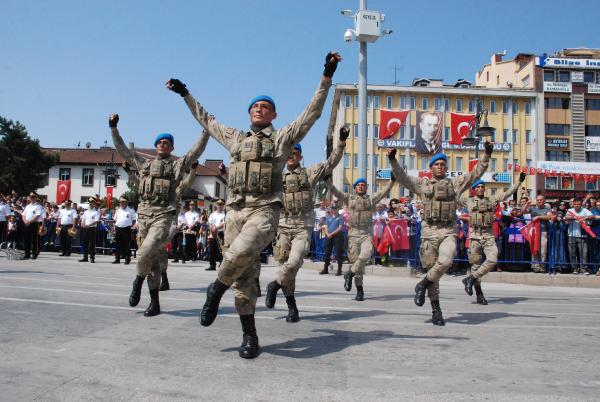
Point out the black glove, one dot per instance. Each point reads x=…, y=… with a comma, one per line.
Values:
x=489, y=147
x=326, y=177
x=331, y=63
x=392, y=154
x=344, y=133
x=113, y=120
x=178, y=87
x=392, y=176
x=522, y=177
x=194, y=165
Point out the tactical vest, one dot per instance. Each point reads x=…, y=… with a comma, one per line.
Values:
x=297, y=193
x=157, y=182
x=361, y=211
x=482, y=212
x=439, y=203
x=251, y=171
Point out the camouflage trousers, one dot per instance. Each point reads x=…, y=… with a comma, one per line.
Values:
x=484, y=244
x=438, y=249
x=290, y=249
x=247, y=232
x=153, y=233
x=360, y=249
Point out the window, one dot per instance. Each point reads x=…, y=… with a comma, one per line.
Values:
x=402, y=160
x=369, y=101
x=386, y=162
x=525, y=81
x=356, y=131
x=557, y=103
x=218, y=190
x=368, y=131
x=591, y=186
x=505, y=135
x=515, y=107
x=110, y=181
x=376, y=101
x=505, y=165
x=64, y=174
x=459, y=105
x=492, y=106
x=425, y=103
x=437, y=104
x=493, y=164
x=560, y=156
x=504, y=107
x=412, y=103
x=446, y=104
x=403, y=132
x=375, y=188
x=446, y=133
x=551, y=183
x=87, y=177
x=355, y=157
x=84, y=199
x=403, y=102
x=592, y=131
x=368, y=161
x=424, y=161
x=346, y=188
x=412, y=132
x=389, y=101
x=564, y=76
x=549, y=75
x=592, y=104
x=493, y=191
x=347, y=101
x=527, y=107
x=346, y=161
x=471, y=106
x=356, y=101
x=527, y=136
x=515, y=134
x=375, y=161
x=592, y=156
x=528, y=162
x=411, y=162
x=459, y=163
x=375, y=130
x=557, y=129
x=588, y=76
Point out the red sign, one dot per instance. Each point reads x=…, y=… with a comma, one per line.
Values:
x=63, y=191
x=461, y=125
x=390, y=122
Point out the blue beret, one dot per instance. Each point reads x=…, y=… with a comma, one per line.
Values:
x=437, y=157
x=164, y=136
x=298, y=148
x=477, y=183
x=261, y=98
x=359, y=180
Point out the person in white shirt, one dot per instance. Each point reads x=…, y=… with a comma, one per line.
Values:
x=4, y=211
x=177, y=243
x=216, y=224
x=192, y=221
x=67, y=218
x=578, y=239
x=124, y=220
x=33, y=216
x=89, y=224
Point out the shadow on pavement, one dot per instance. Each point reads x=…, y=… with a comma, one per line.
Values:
x=29, y=272
x=479, y=318
x=515, y=300
x=342, y=315
x=193, y=290
x=335, y=341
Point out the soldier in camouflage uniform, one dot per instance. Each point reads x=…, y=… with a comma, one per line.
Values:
x=440, y=197
x=360, y=236
x=159, y=178
x=297, y=220
x=255, y=185
x=481, y=233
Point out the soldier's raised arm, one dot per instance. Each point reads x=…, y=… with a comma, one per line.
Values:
x=343, y=197
x=411, y=183
x=188, y=180
x=378, y=196
x=513, y=189
x=294, y=132
x=120, y=146
x=320, y=170
x=193, y=154
x=462, y=183
x=224, y=135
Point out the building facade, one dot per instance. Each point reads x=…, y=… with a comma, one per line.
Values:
x=513, y=113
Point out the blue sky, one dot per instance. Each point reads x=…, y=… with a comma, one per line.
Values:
x=66, y=65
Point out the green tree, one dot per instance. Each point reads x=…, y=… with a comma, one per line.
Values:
x=23, y=165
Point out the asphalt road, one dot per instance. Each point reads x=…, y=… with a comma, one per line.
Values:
x=67, y=333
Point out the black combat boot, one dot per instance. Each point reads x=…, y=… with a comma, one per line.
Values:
x=348, y=275
x=293, y=315
x=154, y=307
x=258, y=291
x=117, y=260
x=92, y=259
x=420, y=291
x=127, y=260
x=136, y=291
x=164, y=282
x=214, y=292
x=271, y=297
x=469, y=281
x=480, y=297
x=249, y=348
x=360, y=294
x=325, y=270
x=339, y=270
x=84, y=259
x=436, y=314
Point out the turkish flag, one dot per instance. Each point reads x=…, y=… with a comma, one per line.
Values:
x=531, y=233
x=63, y=191
x=390, y=122
x=398, y=229
x=426, y=173
x=472, y=164
x=460, y=125
x=109, y=190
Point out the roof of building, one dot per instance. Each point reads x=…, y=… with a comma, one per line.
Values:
x=100, y=156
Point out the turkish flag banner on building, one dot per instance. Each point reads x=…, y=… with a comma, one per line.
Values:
x=390, y=122
x=460, y=126
x=63, y=191
x=109, y=196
